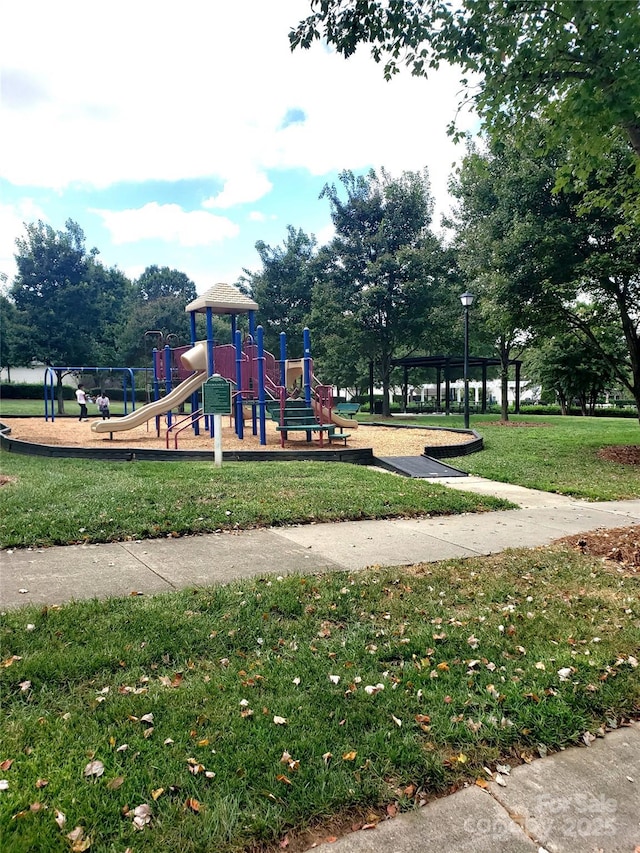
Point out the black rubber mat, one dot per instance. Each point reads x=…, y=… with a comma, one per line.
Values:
x=419, y=466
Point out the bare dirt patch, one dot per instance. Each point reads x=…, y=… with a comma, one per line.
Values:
x=623, y=454
x=385, y=441
x=618, y=548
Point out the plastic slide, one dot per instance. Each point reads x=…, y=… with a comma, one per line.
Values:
x=158, y=407
x=336, y=419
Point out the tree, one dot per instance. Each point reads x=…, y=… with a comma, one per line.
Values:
x=506, y=219
x=574, y=370
x=158, y=282
x=539, y=256
x=386, y=268
x=12, y=335
x=573, y=63
x=161, y=296
x=66, y=297
x=283, y=287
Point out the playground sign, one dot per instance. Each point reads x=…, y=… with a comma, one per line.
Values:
x=216, y=396
x=216, y=401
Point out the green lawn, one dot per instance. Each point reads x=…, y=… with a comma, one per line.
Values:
x=242, y=714
x=554, y=454
x=59, y=501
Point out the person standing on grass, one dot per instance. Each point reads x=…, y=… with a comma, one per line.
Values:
x=102, y=402
x=81, y=397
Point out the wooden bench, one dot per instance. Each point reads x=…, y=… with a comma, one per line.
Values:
x=349, y=409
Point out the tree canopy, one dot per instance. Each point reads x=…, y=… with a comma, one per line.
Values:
x=573, y=63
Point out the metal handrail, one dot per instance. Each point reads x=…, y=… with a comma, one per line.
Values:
x=183, y=423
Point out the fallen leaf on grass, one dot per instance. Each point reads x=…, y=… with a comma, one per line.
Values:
x=141, y=816
x=6, y=764
x=192, y=804
x=42, y=783
x=78, y=842
x=114, y=784
x=282, y=778
x=157, y=793
x=279, y=721
x=60, y=818
x=94, y=768
x=349, y=756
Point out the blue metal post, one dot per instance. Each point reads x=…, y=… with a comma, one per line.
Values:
x=261, y=399
x=49, y=394
x=252, y=323
x=306, y=343
x=210, y=358
x=239, y=412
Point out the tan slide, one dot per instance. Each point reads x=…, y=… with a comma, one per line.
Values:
x=196, y=359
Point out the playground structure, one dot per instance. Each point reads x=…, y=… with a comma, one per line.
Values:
x=263, y=387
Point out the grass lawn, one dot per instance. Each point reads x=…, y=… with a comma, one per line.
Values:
x=61, y=501
x=554, y=454
x=246, y=713
x=15, y=408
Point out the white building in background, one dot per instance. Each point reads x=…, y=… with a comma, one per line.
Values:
x=31, y=376
x=528, y=393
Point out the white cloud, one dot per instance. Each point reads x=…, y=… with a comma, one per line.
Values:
x=215, y=110
x=256, y=216
x=240, y=189
x=167, y=222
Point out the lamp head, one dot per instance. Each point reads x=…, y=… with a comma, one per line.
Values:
x=467, y=299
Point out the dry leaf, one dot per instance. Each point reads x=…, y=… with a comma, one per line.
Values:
x=158, y=792
x=94, y=768
x=282, y=778
x=61, y=818
x=114, y=784
x=279, y=721
x=148, y=718
x=6, y=764
x=141, y=816
x=482, y=783
x=193, y=804
x=349, y=756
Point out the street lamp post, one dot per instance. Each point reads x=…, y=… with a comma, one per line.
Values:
x=467, y=300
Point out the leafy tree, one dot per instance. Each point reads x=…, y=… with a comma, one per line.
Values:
x=158, y=282
x=12, y=336
x=68, y=299
x=535, y=256
x=282, y=289
x=574, y=63
x=161, y=295
x=566, y=363
x=386, y=268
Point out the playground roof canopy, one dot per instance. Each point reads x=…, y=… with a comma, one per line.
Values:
x=222, y=299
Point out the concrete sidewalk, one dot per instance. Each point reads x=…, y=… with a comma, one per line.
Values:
x=59, y=574
x=582, y=800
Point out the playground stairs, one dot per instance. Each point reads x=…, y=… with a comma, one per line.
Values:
x=299, y=417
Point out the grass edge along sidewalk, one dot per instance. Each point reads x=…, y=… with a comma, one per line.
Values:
x=233, y=716
x=76, y=501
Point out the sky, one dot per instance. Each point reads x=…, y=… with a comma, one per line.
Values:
x=180, y=134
